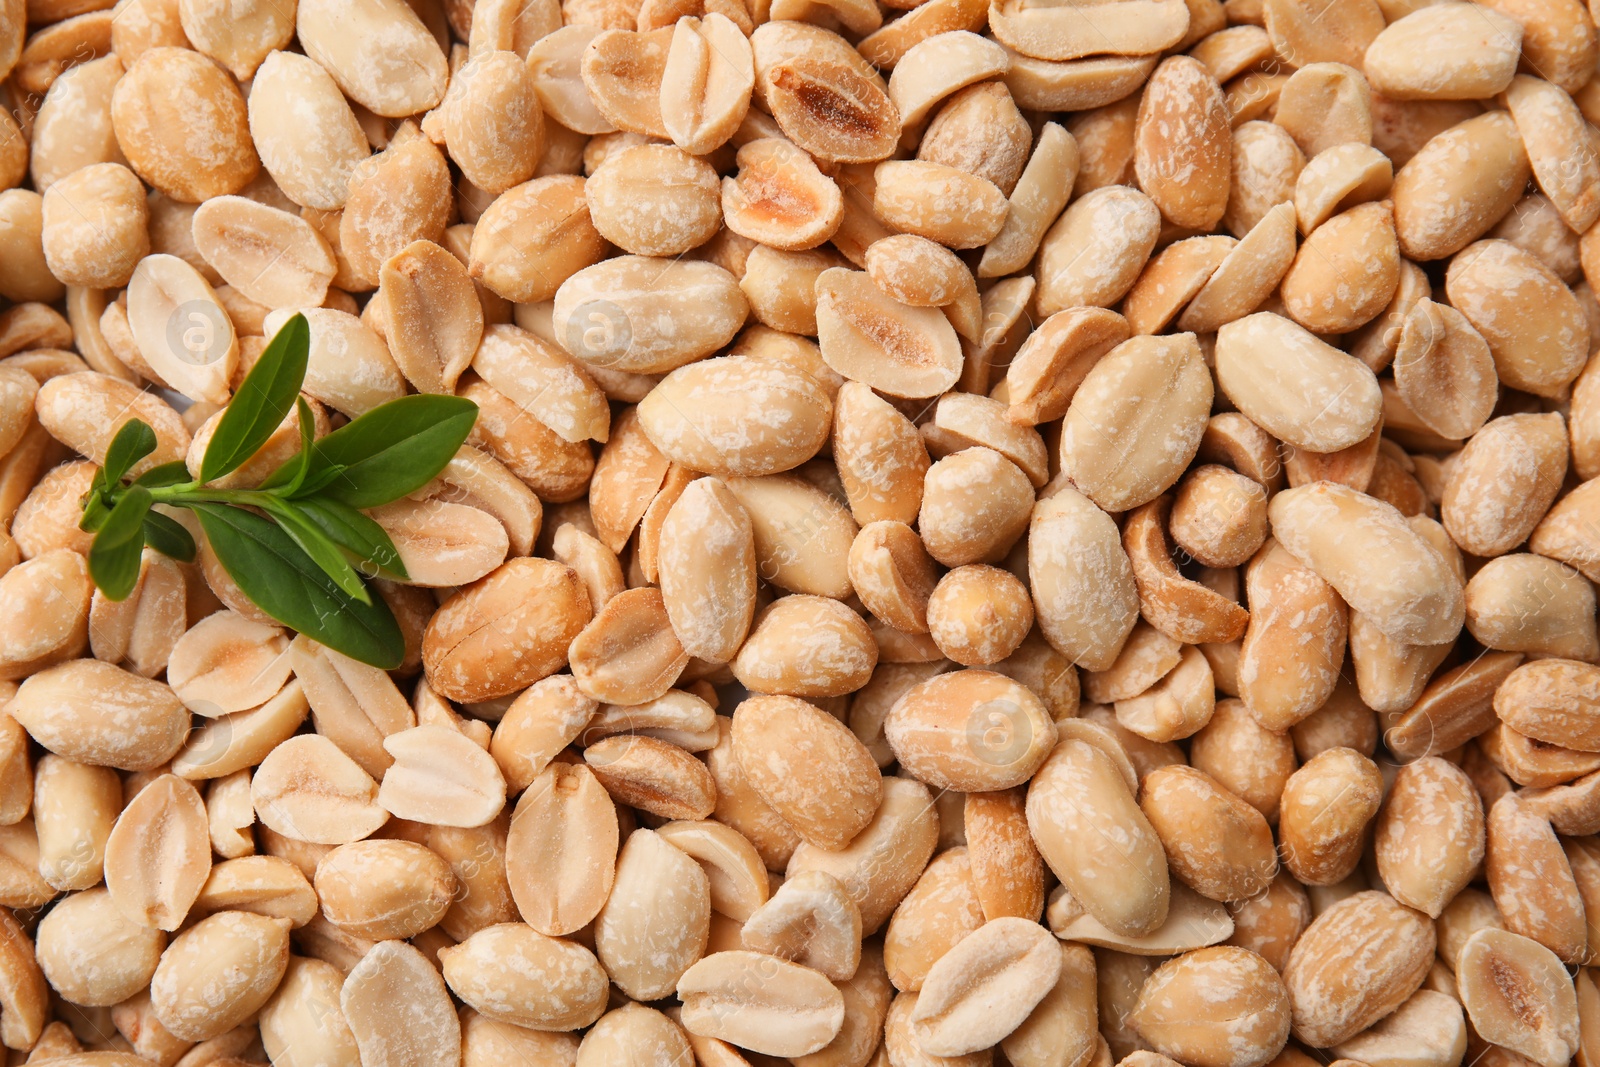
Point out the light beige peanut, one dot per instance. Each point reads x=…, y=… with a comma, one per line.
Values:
x=871, y=338
x=514, y=974
x=265, y=885
x=1470, y=54
x=398, y=1008
x=893, y=574
x=1294, y=646
x=1444, y=369
x=162, y=141
x=1175, y=707
x=1532, y=880
x=383, y=889
x=540, y=722
x=1518, y=995
x=96, y=713
x=1334, y=403
x=761, y=1002
x=561, y=849
x=1073, y=548
x=1009, y=961
x=303, y=1023
x=378, y=51
x=49, y=602
x=534, y=237
x=227, y=663
x=1526, y=603
x=218, y=973
x=311, y=161
x=1422, y=601
x=74, y=810
x=158, y=855
x=811, y=920
x=235, y=742
x=733, y=867
x=979, y=615
x=1074, y=796
x=440, y=777
x=1049, y=33
x=610, y=315
x=1549, y=123
x=654, y=200
x=1539, y=343
x=91, y=953
x=656, y=921
x=1094, y=252
x=1546, y=700
x=308, y=790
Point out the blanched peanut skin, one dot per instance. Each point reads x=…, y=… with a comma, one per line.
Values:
x=1056, y=533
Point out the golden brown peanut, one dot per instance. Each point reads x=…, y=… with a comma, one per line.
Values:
x=1526, y=603
x=514, y=974
x=1503, y=482
x=218, y=973
x=1539, y=342
x=265, y=885
x=1075, y=796
x=163, y=140
x=1444, y=369
x=1216, y=843
x=384, y=889
x=1217, y=1007
x=655, y=924
x=1246, y=758
x=1549, y=123
x=533, y=238
x=738, y=880
x=1453, y=709
x=1271, y=923
x=634, y=1033
x=493, y=155
x=706, y=82
x=974, y=731
x=808, y=767
x=623, y=71
x=24, y=996
x=806, y=646
x=561, y=849
x=1294, y=647
x=880, y=457
x=1548, y=699
x=398, y=1008
x=1532, y=880
x=979, y=615
x=1050, y=33
x=1439, y=207
x=1007, y=870
x=536, y=608
x=1518, y=995
x=985, y=987
x=1121, y=459
x=1346, y=271
x=691, y=419
x=893, y=574
x=708, y=570
x=1219, y=516
x=975, y=505
x=1183, y=144
x=433, y=323
x=653, y=775
x=1323, y=816
x=1356, y=963
x=654, y=200
x=369, y=231
x=940, y=910
x=780, y=198
x=881, y=864
x=1430, y=835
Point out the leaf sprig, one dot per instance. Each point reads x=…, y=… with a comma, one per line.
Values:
x=298, y=545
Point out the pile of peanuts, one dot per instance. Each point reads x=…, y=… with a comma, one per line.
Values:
x=1000, y=533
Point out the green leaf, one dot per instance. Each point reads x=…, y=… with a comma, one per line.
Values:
x=134, y=441
x=114, y=556
x=322, y=550
x=390, y=451
x=167, y=536
x=95, y=509
x=357, y=533
x=174, y=473
x=301, y=463
x=276, y=574
x=261, y=401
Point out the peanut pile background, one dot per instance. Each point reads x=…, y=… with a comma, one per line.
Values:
x=1046, y=533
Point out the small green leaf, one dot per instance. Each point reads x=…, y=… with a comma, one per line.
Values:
x=276, y=574
x=261, y=401
x=390, y=451
x=321, y=548
x=174, y=473
x=167, y=536
x=114, y=556
x=357, y=533
x=95, y=509
x=301, y=463
x=134, y=441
